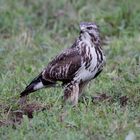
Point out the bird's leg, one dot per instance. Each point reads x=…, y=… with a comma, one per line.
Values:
x=82, y=87
x=71, y=93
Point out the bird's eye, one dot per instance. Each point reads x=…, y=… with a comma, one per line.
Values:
x=89, y=28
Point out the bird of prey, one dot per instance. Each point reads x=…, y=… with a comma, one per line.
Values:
x=74, y=66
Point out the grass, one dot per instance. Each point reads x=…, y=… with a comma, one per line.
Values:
x=33, y=32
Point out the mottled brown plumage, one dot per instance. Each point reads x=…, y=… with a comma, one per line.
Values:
x=63, y=67
x=74, y=67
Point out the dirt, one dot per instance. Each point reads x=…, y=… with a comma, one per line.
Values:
x=14, y=117
x=123, y=100
x=102, y=97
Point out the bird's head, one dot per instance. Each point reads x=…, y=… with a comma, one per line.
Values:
x=90, y=29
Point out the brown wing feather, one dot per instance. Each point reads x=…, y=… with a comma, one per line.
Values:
x=64, y=66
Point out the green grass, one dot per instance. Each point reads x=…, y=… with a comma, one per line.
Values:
x=33, y=32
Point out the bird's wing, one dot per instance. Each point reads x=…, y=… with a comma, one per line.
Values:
x=64, y=66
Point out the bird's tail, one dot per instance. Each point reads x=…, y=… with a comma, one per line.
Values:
x=37, y=83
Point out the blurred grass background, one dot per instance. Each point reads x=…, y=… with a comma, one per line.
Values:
x=32, y=32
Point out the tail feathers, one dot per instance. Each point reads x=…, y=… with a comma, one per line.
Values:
x=28, y=89
x=36, y=84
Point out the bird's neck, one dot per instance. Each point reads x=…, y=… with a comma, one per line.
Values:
x=86, y=37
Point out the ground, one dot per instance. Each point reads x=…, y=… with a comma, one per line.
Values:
x=32, y=32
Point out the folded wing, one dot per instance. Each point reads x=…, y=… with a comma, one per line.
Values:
x=64, y=66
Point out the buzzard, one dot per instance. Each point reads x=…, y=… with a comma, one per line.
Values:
x=74, y=66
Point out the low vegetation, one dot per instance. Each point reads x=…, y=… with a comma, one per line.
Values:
x=32, y=32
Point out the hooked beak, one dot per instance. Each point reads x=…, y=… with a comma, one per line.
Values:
x=82, y=29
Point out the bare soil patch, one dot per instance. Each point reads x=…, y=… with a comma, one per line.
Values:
x=14, y=117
